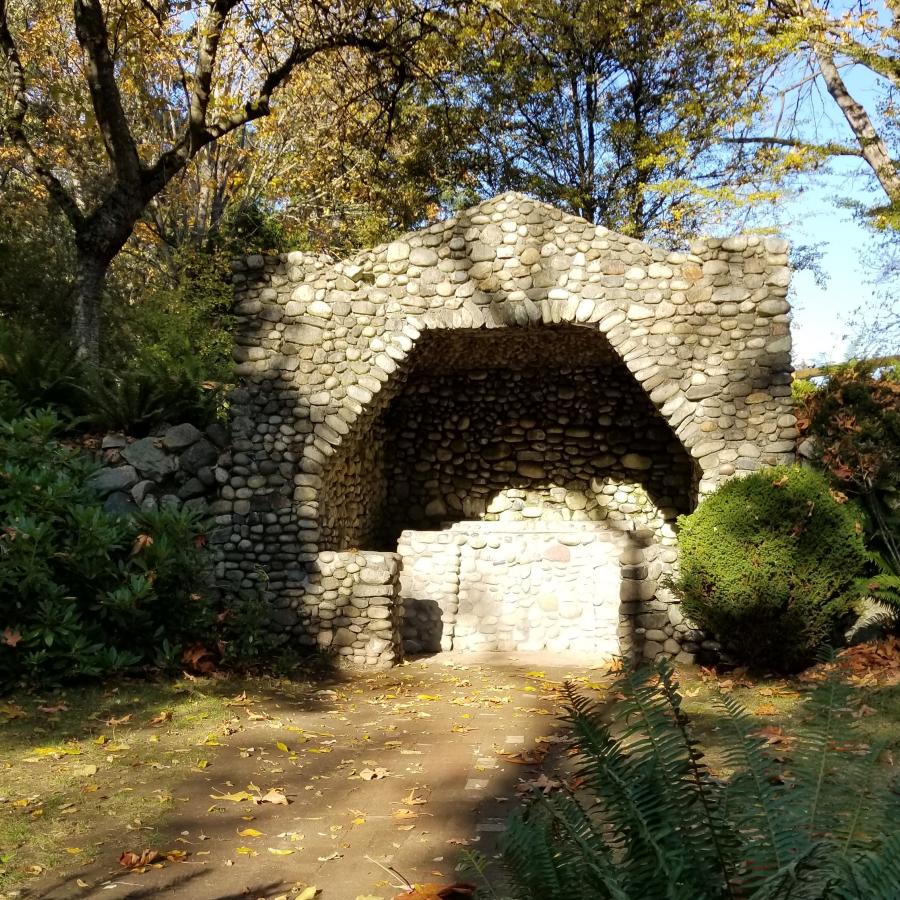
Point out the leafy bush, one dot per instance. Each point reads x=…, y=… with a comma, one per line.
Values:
x=768, y=563
x=652, y=822
x=854, y=422
x=38, y=370
x=84, y=592
x=152, y=391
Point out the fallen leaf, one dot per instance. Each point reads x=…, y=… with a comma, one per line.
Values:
x=276, y=797
x=527, y=757
x=57, y=708
x=236, y=797
x=278, y=852
x=374, y=774
x=250, y=832
x=131, y=860
x=11, y=711
x=245, y=851
x=162, y=718
x=766, y=709
x=140, y=542
x=307, y=893
x=280, y=745
x=11, y=638
x=458, y=891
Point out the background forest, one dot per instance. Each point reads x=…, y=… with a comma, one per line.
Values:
x=147, y=143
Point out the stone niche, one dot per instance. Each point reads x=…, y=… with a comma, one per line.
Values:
x=480, y=435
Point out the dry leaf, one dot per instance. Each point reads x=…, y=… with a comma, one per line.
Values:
x=276, y=797
x=237, y=797
x=11, y=638
x=374, y=774
x=162, y=718
x=250, y=832
x=458, y=891
x=277, y=852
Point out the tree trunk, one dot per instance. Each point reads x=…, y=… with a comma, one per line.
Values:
x=874, y=149
x=87, y=294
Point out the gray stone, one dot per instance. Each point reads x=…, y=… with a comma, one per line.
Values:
x=106, y=481
x=198, y=455
x=149, y=460
x=180, y=436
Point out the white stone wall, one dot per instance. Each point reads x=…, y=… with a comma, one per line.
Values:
x=324, y=348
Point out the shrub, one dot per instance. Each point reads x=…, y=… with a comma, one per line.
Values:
x=651, y=822
x=768, y=563
x=84, y=592
x=39, y=370
x=152, y=391
x=854, y=421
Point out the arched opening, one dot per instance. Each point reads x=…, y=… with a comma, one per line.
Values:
x=513, y=469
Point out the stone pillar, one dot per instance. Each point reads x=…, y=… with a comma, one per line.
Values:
x=359, y=613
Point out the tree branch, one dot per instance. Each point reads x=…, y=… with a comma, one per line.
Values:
x=195, y=138
x=874, y=150
x=15, y=126
x=211, y=33
x=829, y=149
x=100, y=73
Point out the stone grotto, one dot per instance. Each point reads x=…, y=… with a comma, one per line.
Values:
x=479, y=436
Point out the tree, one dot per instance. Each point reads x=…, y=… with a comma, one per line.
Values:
x=823, y=43
x=618, y=110
x=164, y=81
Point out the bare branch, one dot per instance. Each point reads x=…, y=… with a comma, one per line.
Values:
x=828, y=149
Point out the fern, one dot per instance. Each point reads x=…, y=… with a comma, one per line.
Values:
x=653, y=824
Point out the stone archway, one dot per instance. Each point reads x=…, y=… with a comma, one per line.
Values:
x=325, y=346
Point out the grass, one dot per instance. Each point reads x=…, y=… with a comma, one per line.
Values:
x=83, y=766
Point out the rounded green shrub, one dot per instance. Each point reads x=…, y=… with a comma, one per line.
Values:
x=767, y=565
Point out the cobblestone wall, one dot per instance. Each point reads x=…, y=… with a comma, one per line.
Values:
x=331, y=353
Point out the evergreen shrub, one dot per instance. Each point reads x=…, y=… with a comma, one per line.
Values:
x=768, y=564
x=84, y=592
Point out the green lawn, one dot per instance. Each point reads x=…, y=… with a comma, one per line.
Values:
x=82, y=766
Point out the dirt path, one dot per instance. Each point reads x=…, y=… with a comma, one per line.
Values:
x=406, y=768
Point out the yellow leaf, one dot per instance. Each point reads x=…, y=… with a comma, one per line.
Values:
x=428, y=697
x=359, y=820
x=81, y=883
x=250, y=832
x=279, y=852
x=282, y=746
x=307, y=893
x=245, y=851
x=73, y=850
x=202, y=763
x=237, y=797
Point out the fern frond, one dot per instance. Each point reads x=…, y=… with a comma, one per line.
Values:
x=763, y=811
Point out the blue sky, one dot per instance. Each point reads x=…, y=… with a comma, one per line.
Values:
x=821, y=314
x=815, y=215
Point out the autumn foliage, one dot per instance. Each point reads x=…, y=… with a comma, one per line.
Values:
x=854, y=421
